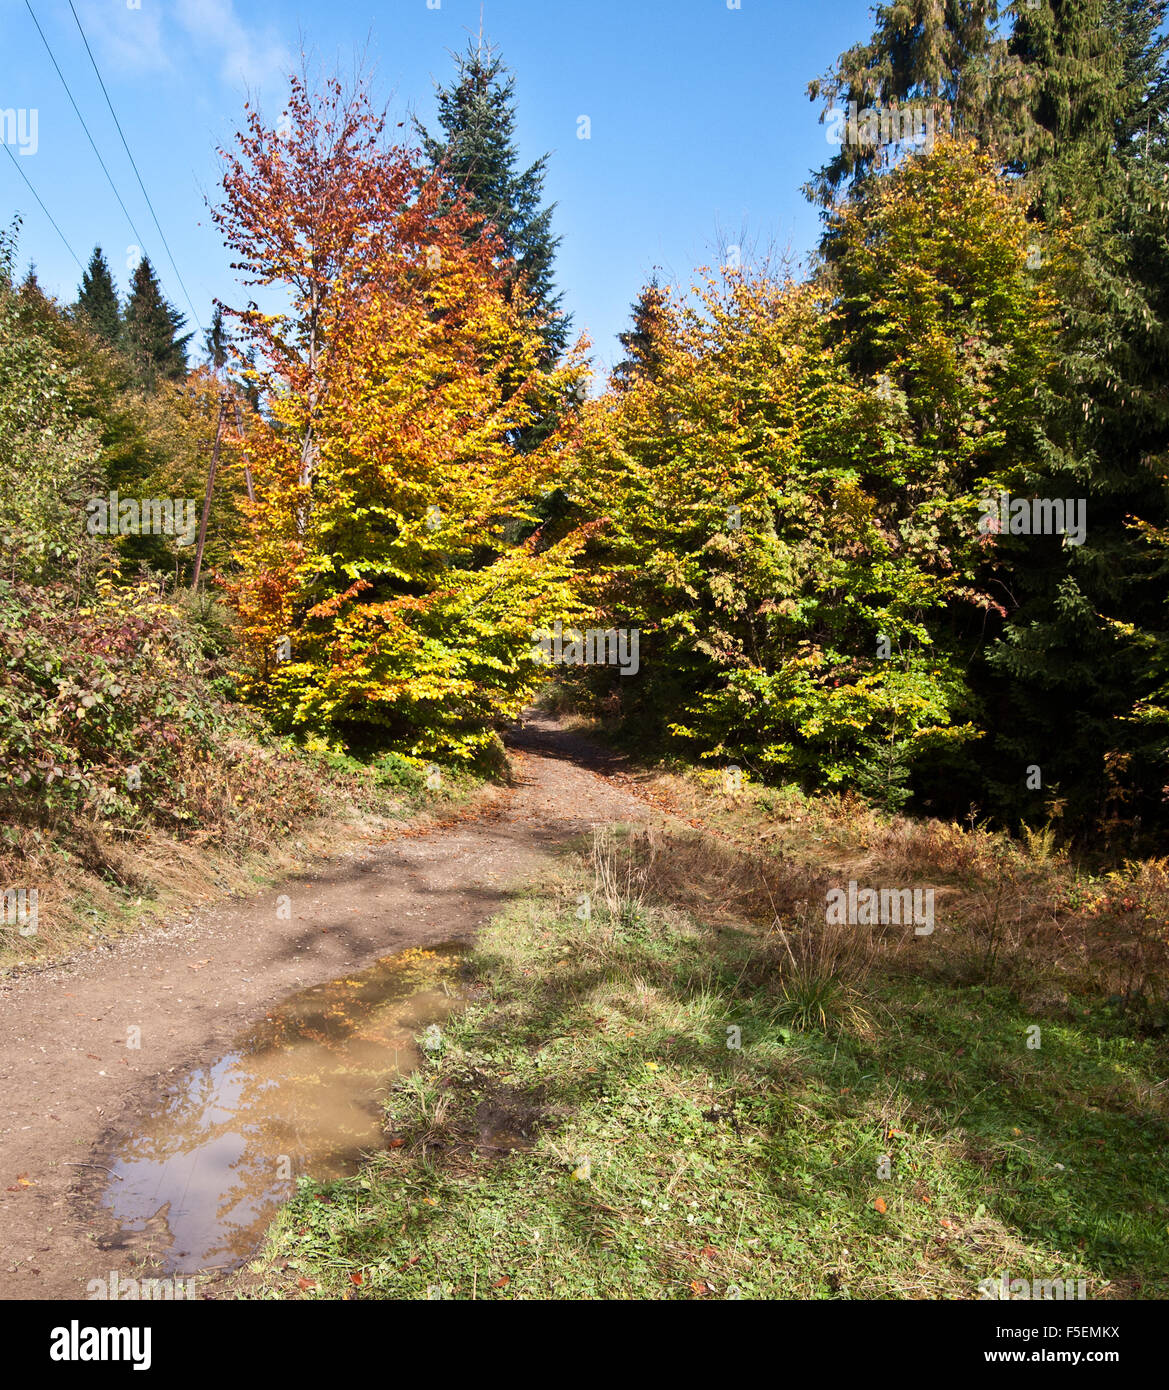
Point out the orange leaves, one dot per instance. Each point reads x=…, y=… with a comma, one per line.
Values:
x=332, y=605
x=392, y=569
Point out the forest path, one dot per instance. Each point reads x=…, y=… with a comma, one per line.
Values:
x=68, y=1078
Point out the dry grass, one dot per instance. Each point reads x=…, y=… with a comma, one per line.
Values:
x=108, y=888
x=1021, y=913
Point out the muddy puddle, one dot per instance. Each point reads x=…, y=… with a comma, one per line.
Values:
x=198, y=1182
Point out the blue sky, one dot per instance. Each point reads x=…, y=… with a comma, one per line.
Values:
x=700, y=122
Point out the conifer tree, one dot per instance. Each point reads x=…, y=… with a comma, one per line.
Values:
x=477, y=113
x=944, y=54
x=217, y=341
x=1078, y=654
x=642, y=342
x=98, y=298
x=150, y=330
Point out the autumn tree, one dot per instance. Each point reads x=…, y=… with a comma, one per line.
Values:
x=1069, y=97
x=387, y=564
x=791, y=498
x=311, y=206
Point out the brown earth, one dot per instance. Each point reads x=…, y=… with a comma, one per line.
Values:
x=67, y=1076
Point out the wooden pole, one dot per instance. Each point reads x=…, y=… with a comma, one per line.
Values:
x=210, y=487
x=239, y=429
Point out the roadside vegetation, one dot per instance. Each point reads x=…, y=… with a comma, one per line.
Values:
x=883, y=1129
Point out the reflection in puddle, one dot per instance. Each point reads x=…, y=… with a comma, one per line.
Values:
x=196, y=1187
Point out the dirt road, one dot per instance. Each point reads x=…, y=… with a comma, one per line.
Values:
x=67, y=1076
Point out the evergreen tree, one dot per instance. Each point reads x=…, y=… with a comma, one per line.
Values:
x=151, y=330
x=1072, y=101
x=478, y=149
x=1080, y=651
x=642, y=342
x=217, y=341
x=98, y=298
x=943, y=54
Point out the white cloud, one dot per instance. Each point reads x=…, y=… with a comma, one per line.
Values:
x=245, y=58
x=161, y=37
x=131, y=40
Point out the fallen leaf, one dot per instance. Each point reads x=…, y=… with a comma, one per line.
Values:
x=502, y=1282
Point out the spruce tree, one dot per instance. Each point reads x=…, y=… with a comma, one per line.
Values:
x=98, y=298
x=642, y=341
x=1072, y=100
x=943, y=54
x=217, y=341
x=150, y=331
x=1080, y=651
x=477, y=115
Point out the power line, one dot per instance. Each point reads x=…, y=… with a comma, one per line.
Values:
x=109, y=178
x=137, y=175
x=44, y=209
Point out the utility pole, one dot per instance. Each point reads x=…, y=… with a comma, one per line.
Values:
x=239, y=429
x=210, y=486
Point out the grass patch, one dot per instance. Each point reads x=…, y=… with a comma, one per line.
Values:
x=671, y=1081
